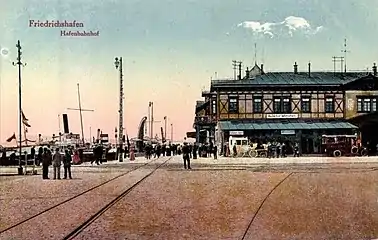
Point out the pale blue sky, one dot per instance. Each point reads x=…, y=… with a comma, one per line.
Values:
x=170, y=50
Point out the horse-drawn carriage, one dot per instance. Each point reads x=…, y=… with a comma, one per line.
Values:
x=246, y=149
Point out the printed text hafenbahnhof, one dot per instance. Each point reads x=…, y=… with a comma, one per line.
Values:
x=57, y=24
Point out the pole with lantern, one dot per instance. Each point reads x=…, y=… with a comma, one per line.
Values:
x=115, y=135
x=118, y=65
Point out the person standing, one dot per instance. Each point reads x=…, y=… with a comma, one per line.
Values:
x=67, y=164
x=185, y=155
x=57, y=162
x=195, y=148
x=235, y=151
x=46, y=162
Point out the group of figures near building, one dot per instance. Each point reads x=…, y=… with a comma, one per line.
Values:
x=194, y=150
x=274, y=149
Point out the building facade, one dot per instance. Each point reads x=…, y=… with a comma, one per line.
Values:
x=291, y=107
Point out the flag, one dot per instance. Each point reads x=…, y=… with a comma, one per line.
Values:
x=25, y=120
x=23, y=116
x=13, y=137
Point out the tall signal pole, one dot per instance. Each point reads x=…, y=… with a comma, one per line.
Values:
x=81, y=110
x=345, y=51
x=20, y=64
x=118, y=65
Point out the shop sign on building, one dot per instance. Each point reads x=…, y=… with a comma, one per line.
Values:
x=282, y=115
x=236, y=133
x=287, y=132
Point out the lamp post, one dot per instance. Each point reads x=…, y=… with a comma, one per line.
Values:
x=115, y=134
x=118, y=65
x=151, y=107
x=165, y=128
x=20, y=64
x=172, y=132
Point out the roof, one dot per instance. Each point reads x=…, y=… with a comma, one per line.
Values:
x=289, y=78
x=292, y=124
x=199, y=103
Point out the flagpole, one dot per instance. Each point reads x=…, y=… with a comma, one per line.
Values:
x=19, y=63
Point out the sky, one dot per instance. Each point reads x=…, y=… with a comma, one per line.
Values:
x=170, y=49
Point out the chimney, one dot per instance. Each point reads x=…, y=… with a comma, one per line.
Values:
x=262, y=69
x=247, y=73
x=295, y=68
x=309, y=69
x=374, y=70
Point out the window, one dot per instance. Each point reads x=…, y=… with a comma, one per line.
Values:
x=374, y=105
x=306, y=105
x=366, y=104
x=329, y=105
x=277, y=105
x=282, y=105
x=359, y=105
x=214, y=106
x=286, y=105
x=233, y=105
x=257, y=105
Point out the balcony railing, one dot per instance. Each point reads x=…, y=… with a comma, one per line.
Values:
x=205, y=119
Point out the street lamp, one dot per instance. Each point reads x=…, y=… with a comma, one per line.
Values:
x=165, y=128
x=172, y=132
x=151, y=114
x=118, y=65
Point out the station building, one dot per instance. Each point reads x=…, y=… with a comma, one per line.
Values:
x=290, y=107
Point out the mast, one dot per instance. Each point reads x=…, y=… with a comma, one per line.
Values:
x=81, y=113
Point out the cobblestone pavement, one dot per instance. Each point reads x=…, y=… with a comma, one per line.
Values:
x=217, y=199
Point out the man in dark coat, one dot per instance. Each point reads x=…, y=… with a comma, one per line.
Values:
x=215, y=151
x=46, y=162
x=32, y=153
x=67, y=159
x=185, y=155
x=195, y=148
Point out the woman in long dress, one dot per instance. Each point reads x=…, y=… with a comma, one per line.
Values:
x=76, y=158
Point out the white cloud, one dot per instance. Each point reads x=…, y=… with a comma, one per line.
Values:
x=4, y=52
x=288, y=27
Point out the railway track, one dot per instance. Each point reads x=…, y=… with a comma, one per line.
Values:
x=262, y=204
x=67, y=201
x=98, y=214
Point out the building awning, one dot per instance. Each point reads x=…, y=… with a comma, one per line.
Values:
x=283, y=125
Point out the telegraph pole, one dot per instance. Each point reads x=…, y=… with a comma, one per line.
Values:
x=234, y=66
x=335, y=60
x=81, y=112
x=118, y=65
x=345, y=51
x=20, y=64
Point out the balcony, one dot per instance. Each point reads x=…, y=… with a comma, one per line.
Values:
x=206, y=93
x=205, y=120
